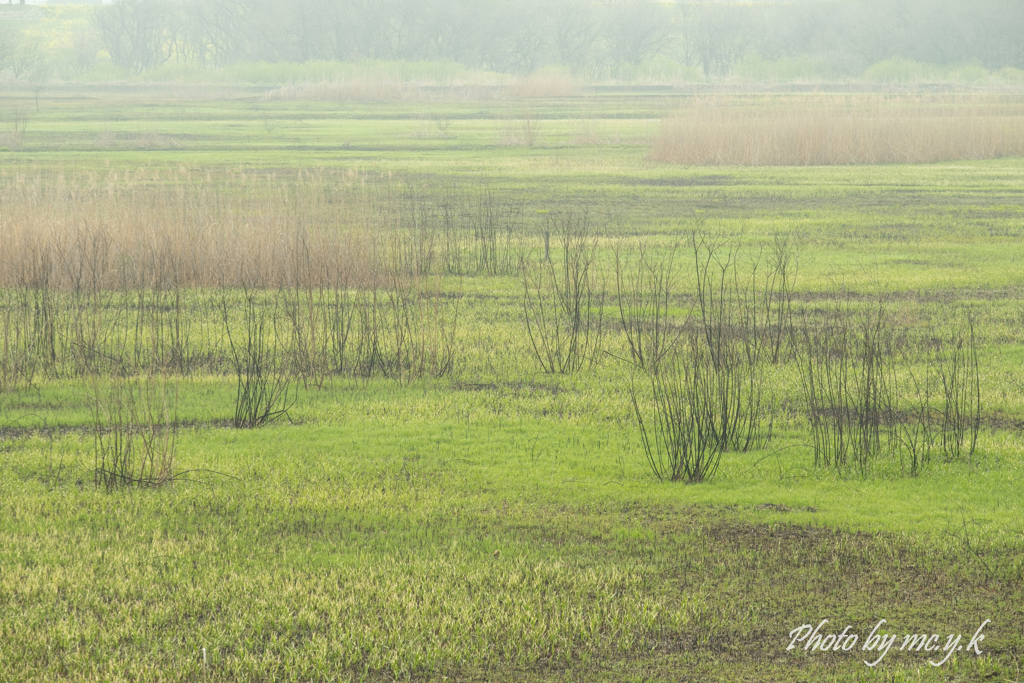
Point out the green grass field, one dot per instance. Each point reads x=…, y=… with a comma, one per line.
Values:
x=501, y=523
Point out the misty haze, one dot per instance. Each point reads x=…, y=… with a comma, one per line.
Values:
x=482, y=340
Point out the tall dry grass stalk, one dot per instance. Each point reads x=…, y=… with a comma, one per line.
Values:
x=146, y=231
x=153, y=230
x=123, y=275
x=824, y=129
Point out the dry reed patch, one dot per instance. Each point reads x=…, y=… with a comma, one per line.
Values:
x=546, y=85
x=154, y=230
x=834, y=130
x=139, y=231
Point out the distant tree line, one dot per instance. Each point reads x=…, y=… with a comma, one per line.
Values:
x=586, y=36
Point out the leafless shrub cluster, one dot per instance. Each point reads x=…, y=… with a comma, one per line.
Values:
x=135, y=431
x=647, y=287
x=523, y=130
x=264, y=387
x=871, y=390
x=48, y=332
x=563, y=297
x=826, y=130
x=850, y=384
x=704, y=371
x=355, y=279
x=453, y=233
x=956, y=361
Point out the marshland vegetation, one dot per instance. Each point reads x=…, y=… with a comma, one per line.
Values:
x=411, y=389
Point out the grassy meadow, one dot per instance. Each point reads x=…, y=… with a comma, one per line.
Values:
x=422, y=389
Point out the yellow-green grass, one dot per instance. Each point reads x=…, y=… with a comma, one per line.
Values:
x=500, y=524
x=399, y=544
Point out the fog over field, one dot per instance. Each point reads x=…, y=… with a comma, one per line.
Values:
x=811, y=39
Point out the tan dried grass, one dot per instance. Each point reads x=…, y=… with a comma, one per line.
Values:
x=141, y=230
x=546, y=84
x=836, y=130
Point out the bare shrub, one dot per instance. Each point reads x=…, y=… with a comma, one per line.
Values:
x=846, y=388
x=646, y=285
x=135, y=432
x=521, y=131
x=680, y=431
x=865, y=400
x=496, y=232
x=871, y=388
x=734, y=315
x=422, y=328
x=19, y=361
x=778, y=289
x=403, y=323
x=320, y=310
x=956, y=360
x=705, y=374
x=32, y=318
x=563, y=299
x=479, y=233
x=264, y=391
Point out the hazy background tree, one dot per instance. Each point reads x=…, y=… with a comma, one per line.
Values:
x=27, y=53
x=718, y=33
x=588, y=37
x=139, y=34
x=637, y=30
x=8, y=43
x=575, y=32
